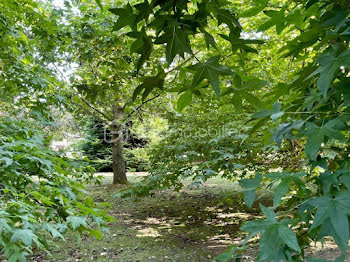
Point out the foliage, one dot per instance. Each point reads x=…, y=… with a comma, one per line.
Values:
x=29, y=41
x=202, y=143
x=104, y=76
x=280, y=70
x=41, y=193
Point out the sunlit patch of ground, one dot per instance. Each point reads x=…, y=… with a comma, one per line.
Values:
x=190, y=225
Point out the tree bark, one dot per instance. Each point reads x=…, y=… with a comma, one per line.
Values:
x=119, y=166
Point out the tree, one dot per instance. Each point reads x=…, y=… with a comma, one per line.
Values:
x=103, y=82
x=41, y=192
x=98, y=151
x=95, y=147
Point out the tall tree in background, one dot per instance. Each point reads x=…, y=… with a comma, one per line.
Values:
x=104, y=79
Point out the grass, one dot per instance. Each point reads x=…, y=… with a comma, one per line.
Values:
x=195, y=224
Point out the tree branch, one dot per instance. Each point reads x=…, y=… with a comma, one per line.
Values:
x=184, y=62
x=89, y=112
x=81, y=97
x=143, y=103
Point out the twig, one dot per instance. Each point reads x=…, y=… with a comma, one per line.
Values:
x=89, y=112
x=81, y=97
x=184, y=62
x=144, y=102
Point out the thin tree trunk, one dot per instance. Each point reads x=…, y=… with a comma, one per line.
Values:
x=119, y=168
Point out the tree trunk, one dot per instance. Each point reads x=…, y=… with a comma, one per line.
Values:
x=119, y=168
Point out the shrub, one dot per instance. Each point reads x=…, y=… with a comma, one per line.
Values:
x=40, y=193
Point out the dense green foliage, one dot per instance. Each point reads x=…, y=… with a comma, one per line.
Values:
x=205, y=142
x=42, y=193
x=95, y=148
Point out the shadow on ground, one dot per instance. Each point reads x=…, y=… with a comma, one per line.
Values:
x=195, y=224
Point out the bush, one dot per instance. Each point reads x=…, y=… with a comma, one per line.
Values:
x=40, y=193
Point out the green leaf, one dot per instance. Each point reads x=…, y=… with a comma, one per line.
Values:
x=280, y=191
x=8, y=161
x=310, y=259
x=76, y=221
x=237, y=101
x=213, y=77
x=227, y=255
x=276, y=19
x=53, y=231
x=256, y=226
x=340, y=223
x=270, y=243
x=250, y=185
x=149, y=83
x=18, y=255
x=126, y=17
x=138, y=90
x=144, y=10
x=338, y=259
x=143, y=46
x=42, y=198
x=98, y=2
x=288, y=237
x=96, y=233
x=329, y=65
x=25, y=235
x=269, y=213
x=277, y=115
x=332, y=216
x=253, y=100
x=337, y=17
x=327, y=180
x=210, y=70
x=226, y=17
x=239, y=43
x=276, y=109
x=260, y=6
x=4, y=225
x=343, y=198
x=209, y=40
x=184, y=100
x=254, y=84
x=249, y=197
x=315, y=139
x=177, y=42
